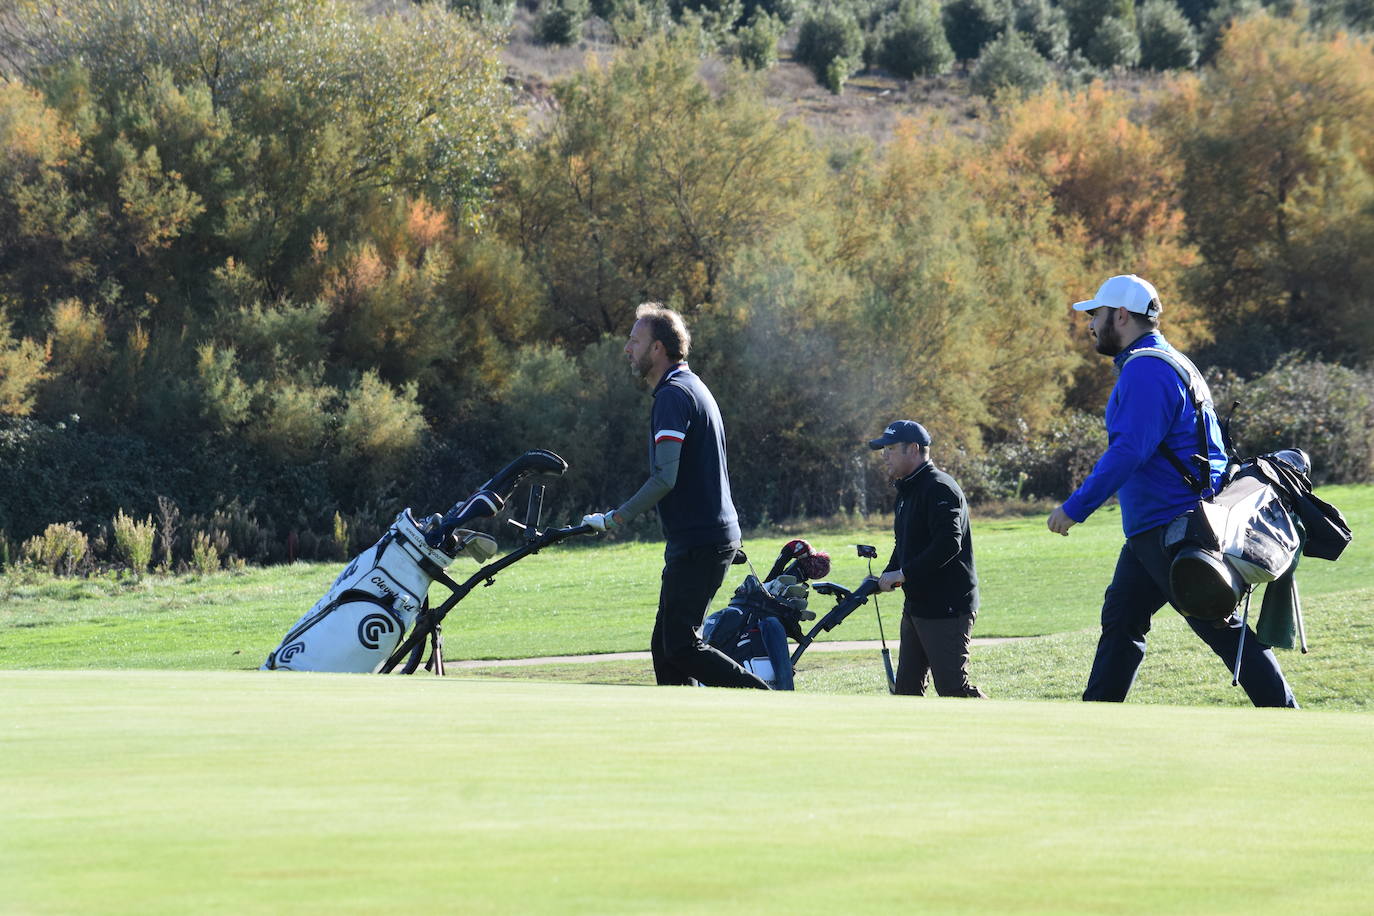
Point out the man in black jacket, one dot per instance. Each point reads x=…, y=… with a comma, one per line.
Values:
x=932, y=562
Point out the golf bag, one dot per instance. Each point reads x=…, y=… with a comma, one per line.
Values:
x=754, y=628
x=1249, y=530
x=362, y=619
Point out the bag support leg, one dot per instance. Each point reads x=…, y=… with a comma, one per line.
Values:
x=1240, y=644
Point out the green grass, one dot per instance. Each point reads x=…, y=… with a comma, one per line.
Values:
x=222, y=791
x=229, y=792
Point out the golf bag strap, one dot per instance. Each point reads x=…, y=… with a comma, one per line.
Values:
x=1199, y=480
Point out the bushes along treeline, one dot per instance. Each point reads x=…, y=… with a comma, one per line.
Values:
x=271, y=297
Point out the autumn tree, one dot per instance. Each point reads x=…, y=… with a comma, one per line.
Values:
x=1277, y=141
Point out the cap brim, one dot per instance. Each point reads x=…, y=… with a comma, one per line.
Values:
x=879, y=442
x=1087, y=306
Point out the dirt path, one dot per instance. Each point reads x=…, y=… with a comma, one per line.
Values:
x=837, y=645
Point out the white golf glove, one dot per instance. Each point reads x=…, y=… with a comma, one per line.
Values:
x=600, y=521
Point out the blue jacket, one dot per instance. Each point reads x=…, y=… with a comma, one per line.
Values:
x=1149, y=404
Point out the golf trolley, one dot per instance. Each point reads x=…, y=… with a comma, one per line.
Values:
x=763, y=614
x=376, y=616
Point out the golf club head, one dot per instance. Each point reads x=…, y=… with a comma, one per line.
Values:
x=864, y=550
x=473, y=544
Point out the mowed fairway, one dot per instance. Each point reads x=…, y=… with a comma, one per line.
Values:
x=230, y=792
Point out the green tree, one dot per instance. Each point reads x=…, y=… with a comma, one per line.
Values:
x=1114, y=44
x=1010, y=62
x=1045, y=24
x=645, y=188
x=970, y=25
x=913, y=41
x=1167, y=40
x=1086, y=17
x=830, y=34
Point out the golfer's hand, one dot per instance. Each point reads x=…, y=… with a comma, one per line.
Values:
x=890, y=580
x=601, y=521
x=1059, y=522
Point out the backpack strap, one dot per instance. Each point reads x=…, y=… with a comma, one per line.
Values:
x=1200, y=479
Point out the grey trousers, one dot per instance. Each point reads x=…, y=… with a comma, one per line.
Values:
x=938, y=647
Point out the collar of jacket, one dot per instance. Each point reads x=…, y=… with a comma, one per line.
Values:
x=1148, y=339
x=909, y=481
x=673, y=370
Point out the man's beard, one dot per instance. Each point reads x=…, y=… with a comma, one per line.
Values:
x=1108, y=341
x=642, y=367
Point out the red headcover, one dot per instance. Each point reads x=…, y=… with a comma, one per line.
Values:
x=815, y=565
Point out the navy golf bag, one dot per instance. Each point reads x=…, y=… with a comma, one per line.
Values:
x=754, y=628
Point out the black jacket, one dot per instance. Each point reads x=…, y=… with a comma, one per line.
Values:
x=934, y=547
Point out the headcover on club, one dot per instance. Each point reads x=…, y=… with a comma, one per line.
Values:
x=482, y=504
x=792, y=550
x=535, y=461
x=814, y=566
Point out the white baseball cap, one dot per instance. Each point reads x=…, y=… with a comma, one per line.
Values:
x=1127, y=292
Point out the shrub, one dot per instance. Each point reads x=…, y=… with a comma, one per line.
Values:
x=1325, y=409
x=1167, y=40
x=1024, y=468
x=341, y=537
x=495, y=12
x=971, y=25
x=1045, y=25
x=560, y=22
x=1085, y=17
x=913, y=41
x=380, y=430
x=169, y=525
x=1010, y=62
x=830, y=36
x=134, y=541
x=204, y=554
x=59, y=549
x=756, y=42
x=1114, y=44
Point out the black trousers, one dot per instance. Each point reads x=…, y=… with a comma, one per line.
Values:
x=691, y=578
x=937, y=647
x=1139, y=588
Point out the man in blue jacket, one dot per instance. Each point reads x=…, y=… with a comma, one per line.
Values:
x=690, y=485
x=1150, y=410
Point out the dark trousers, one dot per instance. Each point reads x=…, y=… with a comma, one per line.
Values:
x=691, y=578
x=1139, y=588
x=939, y=647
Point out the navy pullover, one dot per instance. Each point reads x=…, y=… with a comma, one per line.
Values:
x=698, y=510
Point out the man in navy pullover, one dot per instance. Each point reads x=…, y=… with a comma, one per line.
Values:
x=690, y=485
x=1150, y=410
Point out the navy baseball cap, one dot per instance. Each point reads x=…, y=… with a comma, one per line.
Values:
x=901, y=431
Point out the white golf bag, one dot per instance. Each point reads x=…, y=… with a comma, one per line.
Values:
x=366, y=612
x=363, y=619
